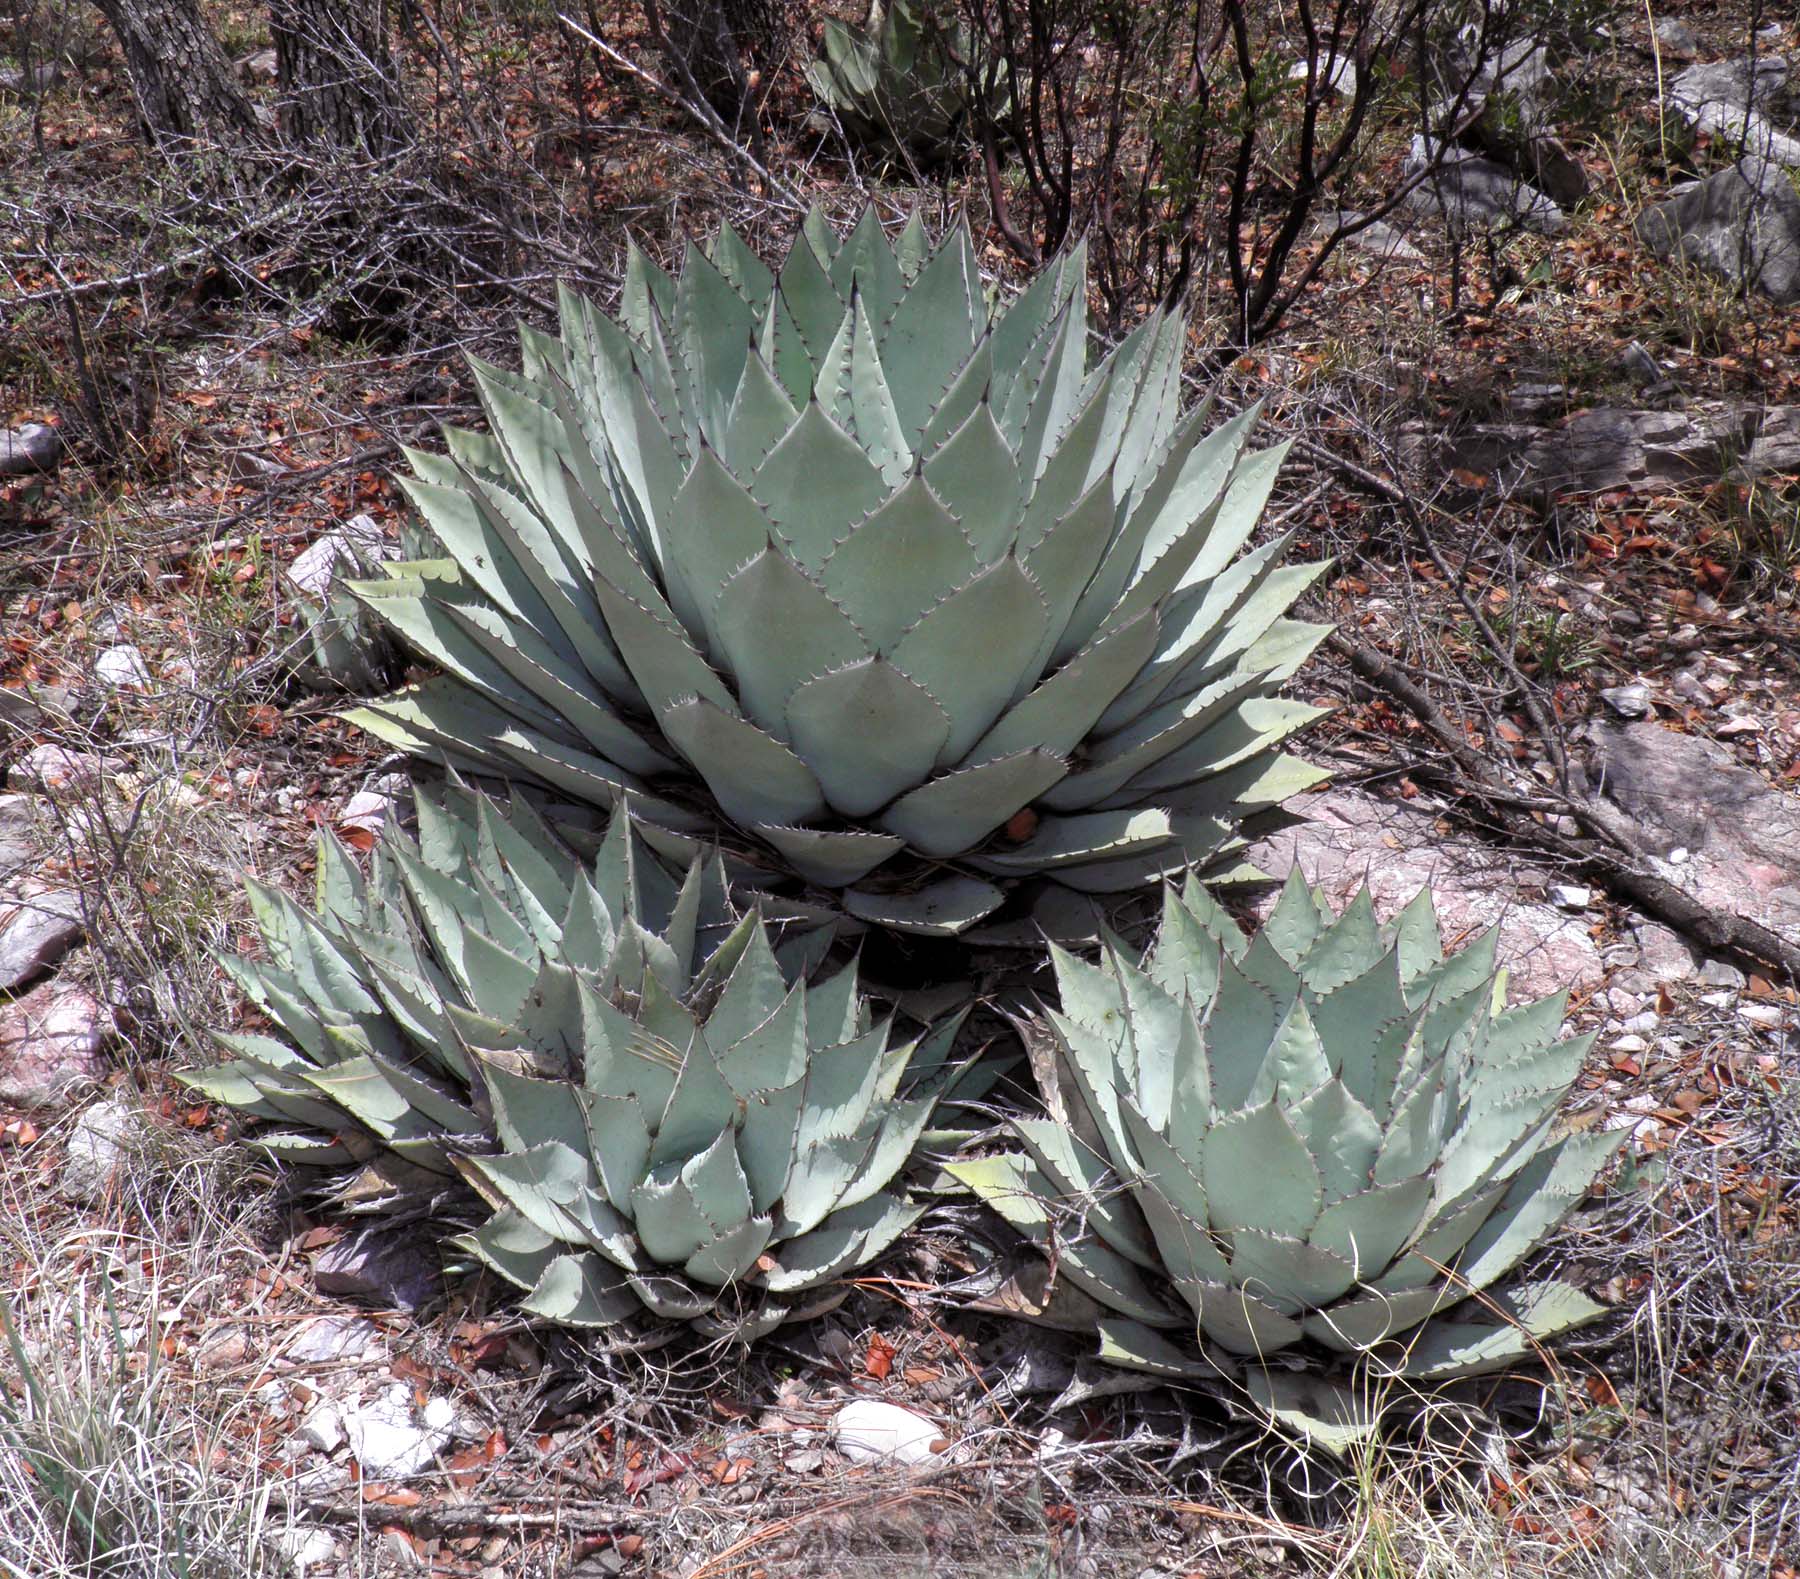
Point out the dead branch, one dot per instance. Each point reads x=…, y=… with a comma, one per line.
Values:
x=1623, y=869
x=695, y=106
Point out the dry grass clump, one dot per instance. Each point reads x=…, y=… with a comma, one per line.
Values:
x=112, y=1464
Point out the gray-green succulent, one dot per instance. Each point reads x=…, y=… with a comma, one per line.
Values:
x=346, y=648
x=1267, y=1153
x=899, y=79
x=662, y=1117
x=862, y=578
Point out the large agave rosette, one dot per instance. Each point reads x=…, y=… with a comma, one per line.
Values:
x=871, y=582
x=1318, y=1144
x=663, y=1117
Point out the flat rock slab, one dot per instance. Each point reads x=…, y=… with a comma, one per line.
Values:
x=52, y=1041
x=1723, y=833
x=38, y=925
x=1742, y=224
x=1350, y=837
x=380, y=1265
x=1612, y=447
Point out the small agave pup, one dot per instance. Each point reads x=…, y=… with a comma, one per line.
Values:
x=1307, y=1145
x=862, y=580
x=661, y=1119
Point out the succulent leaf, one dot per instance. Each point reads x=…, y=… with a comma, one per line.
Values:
x=841, y=566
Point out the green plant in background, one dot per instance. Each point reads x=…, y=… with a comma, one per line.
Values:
x=868, y=582
x=1305, y=1146
x=898, y=79
x=1548, y=643
x=662, y=1118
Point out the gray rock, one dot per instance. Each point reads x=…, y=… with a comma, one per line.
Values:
x=1639, y=364
x=1662, y=955
x=1335, y=76
x=391, y=1439
x=1509, y=115
x=356, y=545
x=56, y=769
x=1627, y=701
x=1716, y=973
x=34, y=706
x=1555, y=170
x=331, y=1338
x=1727, y=98
x=1617, y=447
x=1349, y=837
x=380, y=1265
x=52, y=1042
x=122, y=666
x=323, y=1429
x=1738, y=836
x=262, y=66
x=251, y=467
x=1476, y=193
x=101, y=1140
x=1614, y=447
x=19, y=846
x=1742, y=224
x=35, y=447
x=305, y=1549
x=1377, y=237
x=1676, y=39
x=38, y=925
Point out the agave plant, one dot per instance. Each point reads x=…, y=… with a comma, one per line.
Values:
x=897, y=79
x=346, y=649
x=1265, y=1154
x=661, y=1119
x=861, y=580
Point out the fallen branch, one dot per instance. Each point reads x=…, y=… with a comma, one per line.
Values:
x=1622, y=869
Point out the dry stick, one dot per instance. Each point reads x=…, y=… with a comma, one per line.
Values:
x=1627, y=873
x=1403, y=500
x=114, y=284
x=699, y=109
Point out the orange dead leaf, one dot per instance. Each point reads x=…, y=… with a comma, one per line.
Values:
x=1021, y=825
